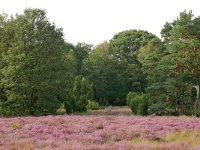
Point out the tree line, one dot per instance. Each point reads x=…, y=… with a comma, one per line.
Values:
x=40, y=71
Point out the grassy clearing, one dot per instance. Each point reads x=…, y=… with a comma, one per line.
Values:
x=183, y=139
x=109, y=110
x=115, y=111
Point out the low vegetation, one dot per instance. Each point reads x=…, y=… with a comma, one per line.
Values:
x=100, y=132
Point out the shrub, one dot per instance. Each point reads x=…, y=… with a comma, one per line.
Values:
x=129, y=97
x=134, y=105
x=139, y=104
x=142, y=104
x=67, y=106
x=92, y=105
x=157, y=109
x=70, y=105
x=81, y=104
x=82, y=91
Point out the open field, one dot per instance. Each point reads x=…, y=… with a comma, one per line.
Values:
x=95, y=132
x=114, y=111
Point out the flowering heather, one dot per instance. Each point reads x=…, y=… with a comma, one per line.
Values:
x=98, y=132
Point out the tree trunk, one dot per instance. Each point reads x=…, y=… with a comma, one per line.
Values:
x=195, y=64
x=191, y=101
x=196, y=105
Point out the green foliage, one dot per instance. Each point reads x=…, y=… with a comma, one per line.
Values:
x=134, y=105
x=44, y=108
x=93, y=105
x=81, y=103
x=174, y=77
x=114, y=67
x=165, y=32
x=81, y=51
x=39, y=70
x=139, y=104
x=130, y=96
x=126, y=46
x=82, y=92
x=157, y=109
x=129, y=42
x=68, y=107
x=108, y=75
x=142, y=104
x=32, y=67
x=118, y=102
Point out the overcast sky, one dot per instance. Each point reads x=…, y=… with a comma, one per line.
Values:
x=94, y=21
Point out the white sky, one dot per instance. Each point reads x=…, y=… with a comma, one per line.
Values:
x=94, y=21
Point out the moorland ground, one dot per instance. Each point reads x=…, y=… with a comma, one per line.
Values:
x=110, y=128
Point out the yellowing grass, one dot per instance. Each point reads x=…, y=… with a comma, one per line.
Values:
x=190, y=138
x=144, y=141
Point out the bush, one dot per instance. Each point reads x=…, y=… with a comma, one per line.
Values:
x=68, y=108
x=70, y=105
x=92, y=105
x=76, y=105
x=82, y=91
x=142, y=104
x=157, y=109
x=130, y=96
x=139, y=104
x=134, y=105
x=81, y=103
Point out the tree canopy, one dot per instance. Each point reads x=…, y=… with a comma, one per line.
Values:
x=40, y=71
x=32, y=66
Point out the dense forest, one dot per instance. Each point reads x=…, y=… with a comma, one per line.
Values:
x=40, y=71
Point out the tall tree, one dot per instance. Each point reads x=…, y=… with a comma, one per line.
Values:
x=33, y=74
x=149, y=57
x=126, y=46
x=179, y=69
x=108, y=74
x=82, y=51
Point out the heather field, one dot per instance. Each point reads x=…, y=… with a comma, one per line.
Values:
x=108, y=129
